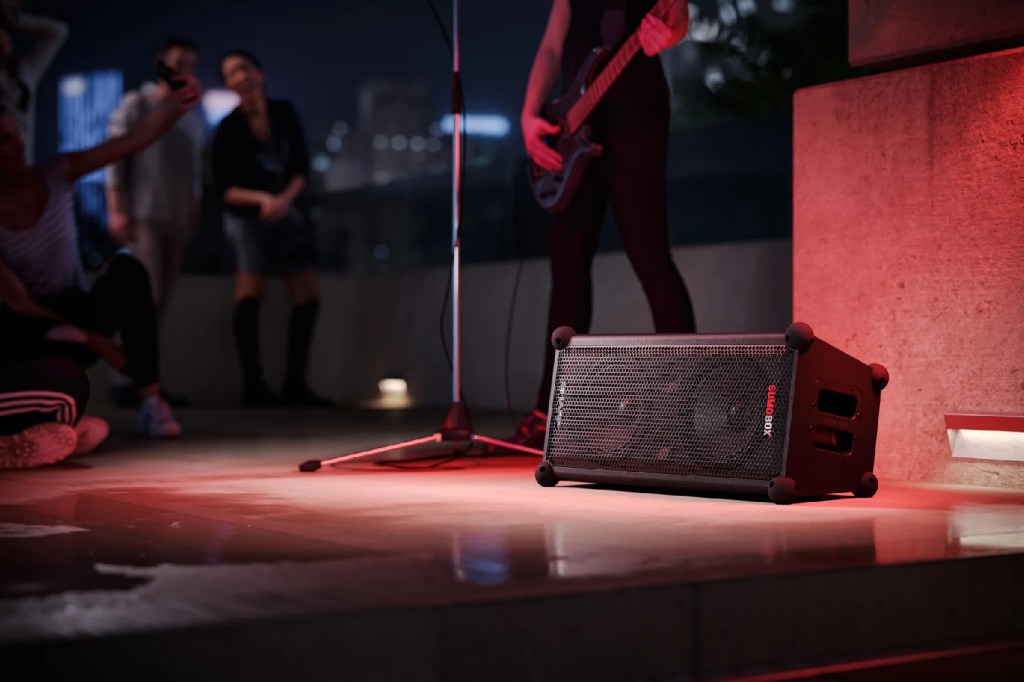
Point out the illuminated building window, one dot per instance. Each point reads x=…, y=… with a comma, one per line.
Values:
x=85, y=102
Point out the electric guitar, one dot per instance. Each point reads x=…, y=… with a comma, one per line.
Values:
x=554, y=190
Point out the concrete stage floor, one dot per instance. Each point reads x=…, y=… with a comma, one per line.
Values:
x=214, y=558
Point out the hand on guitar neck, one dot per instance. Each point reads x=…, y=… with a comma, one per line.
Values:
x=655, y=35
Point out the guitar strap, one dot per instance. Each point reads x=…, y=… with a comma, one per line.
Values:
x=613, y=23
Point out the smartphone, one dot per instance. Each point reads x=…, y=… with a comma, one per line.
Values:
x=169, y=75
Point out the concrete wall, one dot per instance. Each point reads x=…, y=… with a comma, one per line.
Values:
x=376, y=326
x=909, y=246
x=890, y=32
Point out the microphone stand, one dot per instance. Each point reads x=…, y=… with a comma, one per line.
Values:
x=456, y=428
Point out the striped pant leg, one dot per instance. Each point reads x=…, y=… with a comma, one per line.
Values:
x=45, y=389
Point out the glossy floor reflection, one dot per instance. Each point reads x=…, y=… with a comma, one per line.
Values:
x=221, y=529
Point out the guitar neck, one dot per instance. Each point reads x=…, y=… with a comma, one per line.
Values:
x=581, y=110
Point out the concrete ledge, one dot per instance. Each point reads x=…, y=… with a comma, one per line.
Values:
x=907, y=245
x=695, y=631
x=890, y=33
x=389, y=325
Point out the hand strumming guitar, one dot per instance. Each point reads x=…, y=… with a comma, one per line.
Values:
x=535, y=128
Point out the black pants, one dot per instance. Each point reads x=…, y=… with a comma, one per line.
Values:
x=45, y=389
x=630, y=178
x=118, y=302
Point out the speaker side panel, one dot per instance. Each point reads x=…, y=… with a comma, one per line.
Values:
x=834, y=422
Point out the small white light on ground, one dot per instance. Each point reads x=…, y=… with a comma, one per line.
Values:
x=394, y=393
x=391, y=386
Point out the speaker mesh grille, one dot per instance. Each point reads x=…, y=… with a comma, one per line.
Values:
x=689, y=410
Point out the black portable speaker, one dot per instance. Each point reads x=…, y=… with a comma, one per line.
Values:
x=785, y=415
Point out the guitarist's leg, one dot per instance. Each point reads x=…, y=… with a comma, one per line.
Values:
x=635, y=154
x=572, y=243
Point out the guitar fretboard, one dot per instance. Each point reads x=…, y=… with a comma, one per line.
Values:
x=580, y=111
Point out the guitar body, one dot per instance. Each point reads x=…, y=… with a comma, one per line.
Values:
x=554, y=191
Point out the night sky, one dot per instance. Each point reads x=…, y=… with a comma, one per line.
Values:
x=315, y=52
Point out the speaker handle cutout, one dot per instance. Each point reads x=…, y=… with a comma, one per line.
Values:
x=839, y=404
x=832, y=440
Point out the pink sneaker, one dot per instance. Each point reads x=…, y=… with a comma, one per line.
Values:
x=156, y=419
x=37, y=446
x=91, y=432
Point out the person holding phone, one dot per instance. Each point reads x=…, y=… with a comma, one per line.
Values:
x=153, y=197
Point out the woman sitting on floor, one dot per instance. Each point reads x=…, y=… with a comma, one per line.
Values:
x=46, y=299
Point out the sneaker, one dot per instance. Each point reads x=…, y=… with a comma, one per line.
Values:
x=530, y=433
x=300, y=395
x=91, y=432
x=156, y=419
x=37, y=445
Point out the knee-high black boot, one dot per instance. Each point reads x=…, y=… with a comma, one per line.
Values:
x=300, y=338
x=256, y=393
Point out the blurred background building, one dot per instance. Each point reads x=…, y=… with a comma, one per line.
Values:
x=371, y=81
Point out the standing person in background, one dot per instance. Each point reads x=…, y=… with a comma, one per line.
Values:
x=20, y=73
x=260, y=165
x=153, y=197
x=632, y=123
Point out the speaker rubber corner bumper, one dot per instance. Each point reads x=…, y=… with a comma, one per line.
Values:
x=560, y=337
x=879, y=376
x=799, y=336
x=868, y=486
x=782, y=490
x=545, y=475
